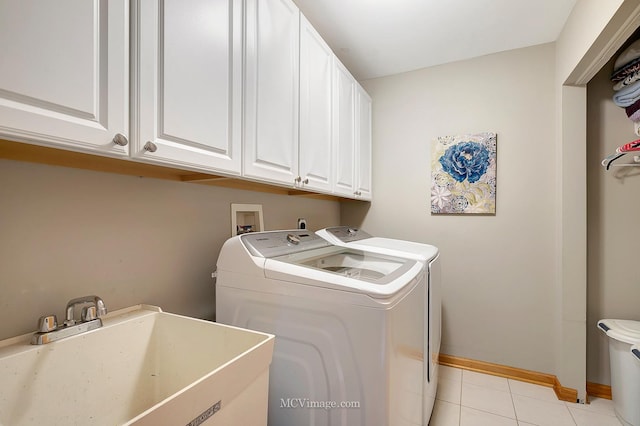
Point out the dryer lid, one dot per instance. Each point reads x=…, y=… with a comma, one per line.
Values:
x=359, y=239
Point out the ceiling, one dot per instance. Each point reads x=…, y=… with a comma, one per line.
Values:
x=375, y=38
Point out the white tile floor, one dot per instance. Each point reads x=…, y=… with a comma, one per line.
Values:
x=466, y=398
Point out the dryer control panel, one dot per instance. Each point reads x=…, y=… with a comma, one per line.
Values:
x=348, y=234
x=279, y=243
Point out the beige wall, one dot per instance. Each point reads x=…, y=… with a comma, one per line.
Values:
x=66, y=233
x=498, y=271
x=613, y=287
x=482, y=320
x=587, y=22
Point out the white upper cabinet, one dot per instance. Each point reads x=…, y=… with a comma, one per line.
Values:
x=344, y=131
x=363, y=145
x=352, y=136
x=243, y=88
x=271, y=90
x=316, y=106
x=64, y=73
x=187, y=83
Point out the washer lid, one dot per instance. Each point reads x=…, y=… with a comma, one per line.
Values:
x=627, y=331
x=347, y=269
x=356, y=264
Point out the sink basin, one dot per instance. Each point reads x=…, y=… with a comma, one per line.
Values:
x=143, y=367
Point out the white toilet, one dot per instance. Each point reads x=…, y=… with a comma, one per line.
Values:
x=625, y=368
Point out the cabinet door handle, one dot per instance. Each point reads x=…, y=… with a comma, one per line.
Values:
x=120, y=139
x=150, y=147
x=306, y=181
x=297, y=180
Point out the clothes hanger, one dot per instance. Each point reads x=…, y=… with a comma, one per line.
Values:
x=629, y=147
x=621, y=151
x=611, y=158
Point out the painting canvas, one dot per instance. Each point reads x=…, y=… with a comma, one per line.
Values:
x=463, y=174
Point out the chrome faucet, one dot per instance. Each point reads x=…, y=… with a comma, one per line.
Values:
x=88, y=314
x=49, y=331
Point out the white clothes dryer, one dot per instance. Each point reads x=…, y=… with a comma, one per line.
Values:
x=428, y=256
x=348, y=324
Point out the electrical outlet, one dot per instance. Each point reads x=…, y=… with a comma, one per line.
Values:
x=302, y=223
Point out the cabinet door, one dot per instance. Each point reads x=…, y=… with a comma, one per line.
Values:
x=363, y=145
x=187, y=83
x=316, y=133
x=271, y=90
x=64, y=73
x=344, y=131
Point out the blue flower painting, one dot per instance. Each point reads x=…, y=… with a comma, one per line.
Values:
x=466, y=160
x=463, y=172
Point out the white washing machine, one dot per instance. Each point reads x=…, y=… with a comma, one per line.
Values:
x=427, y=255
x=349, y=347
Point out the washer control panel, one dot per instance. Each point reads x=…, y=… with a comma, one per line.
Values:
x=278, y=243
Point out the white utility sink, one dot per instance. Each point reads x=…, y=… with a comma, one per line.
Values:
x=143, y=367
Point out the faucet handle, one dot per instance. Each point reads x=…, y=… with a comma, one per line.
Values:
x=88, y=313
x=101, y=309
x=47, y=323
